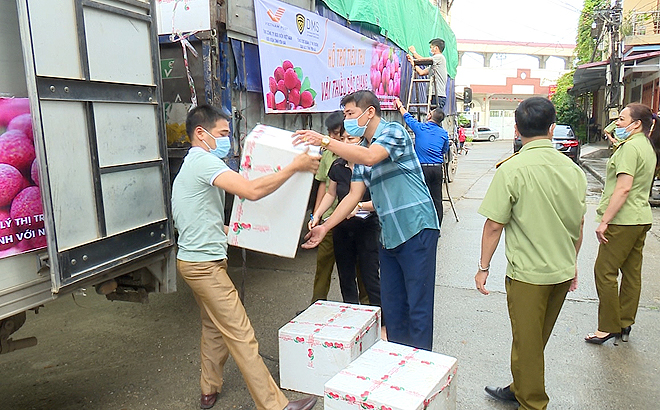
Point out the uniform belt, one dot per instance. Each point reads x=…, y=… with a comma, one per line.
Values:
x=432, y=165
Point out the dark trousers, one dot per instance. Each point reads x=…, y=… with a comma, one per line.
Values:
x=407, y=285
x=325, y=263
x=356, y=243
x=438, y=102
x=433, y=178
x=533, y=311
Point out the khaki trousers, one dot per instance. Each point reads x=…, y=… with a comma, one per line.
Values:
x=533, y=311
x=325, y=263
x=617, y=307
x=226, y=330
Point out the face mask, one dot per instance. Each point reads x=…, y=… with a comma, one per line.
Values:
x=622, y=133
x=222, y=146
x=430, y=53
x=353, y=128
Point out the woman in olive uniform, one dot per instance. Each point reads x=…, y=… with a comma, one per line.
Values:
x=625, y=216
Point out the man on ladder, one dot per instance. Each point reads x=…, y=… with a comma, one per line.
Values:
x=434, y=76
x=437, y=71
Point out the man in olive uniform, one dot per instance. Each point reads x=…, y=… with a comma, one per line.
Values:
x=543, y=238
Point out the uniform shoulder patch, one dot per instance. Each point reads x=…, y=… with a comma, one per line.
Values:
x=505, y=160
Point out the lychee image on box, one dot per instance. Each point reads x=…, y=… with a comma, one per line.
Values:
x=390, y=376
x=324, y=339
x=21, y=211
x=289, y=89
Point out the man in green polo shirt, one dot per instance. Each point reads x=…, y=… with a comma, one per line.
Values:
x=538, y=198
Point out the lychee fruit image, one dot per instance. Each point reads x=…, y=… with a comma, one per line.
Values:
x=34, y=172
x=27, y=204
x=16, y=150
x=306, y=99
x=11, y=183
x=22, y=123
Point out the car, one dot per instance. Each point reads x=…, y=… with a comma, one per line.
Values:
x=563, y=139
x=482, y=134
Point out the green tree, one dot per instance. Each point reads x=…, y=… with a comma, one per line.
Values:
x=568, y=111
x=585, y=43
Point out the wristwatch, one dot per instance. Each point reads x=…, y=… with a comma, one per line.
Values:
x=325, y=141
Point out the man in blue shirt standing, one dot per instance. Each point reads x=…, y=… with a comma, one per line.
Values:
x=388, y=166
x=431, y=143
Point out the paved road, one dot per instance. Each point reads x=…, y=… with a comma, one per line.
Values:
x=95, y=354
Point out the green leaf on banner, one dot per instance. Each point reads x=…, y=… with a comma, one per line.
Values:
x=305, y=84
x=313, y=93
x=298, y=71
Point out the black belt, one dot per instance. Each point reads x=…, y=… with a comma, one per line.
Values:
x=431, y=165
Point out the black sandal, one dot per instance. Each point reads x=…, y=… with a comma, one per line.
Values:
x=592, y=338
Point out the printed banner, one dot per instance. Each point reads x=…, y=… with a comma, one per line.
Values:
x=309, y=62
x=21, y=212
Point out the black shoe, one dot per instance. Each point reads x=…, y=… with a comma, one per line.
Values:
x=501, y=393
x=625, y=333
x=592, y=338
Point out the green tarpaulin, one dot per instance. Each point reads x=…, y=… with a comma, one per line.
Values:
x=404, y=22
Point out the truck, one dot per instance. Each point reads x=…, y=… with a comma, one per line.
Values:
x=84, y=175
x=212, y=56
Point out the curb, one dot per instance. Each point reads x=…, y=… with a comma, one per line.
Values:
x=592, y=171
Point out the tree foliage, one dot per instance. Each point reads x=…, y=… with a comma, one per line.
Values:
x=568, y=111
x=585, y=43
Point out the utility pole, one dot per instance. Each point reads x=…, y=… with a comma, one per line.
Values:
x=614, y=83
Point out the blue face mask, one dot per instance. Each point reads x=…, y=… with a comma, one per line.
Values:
x=353, y=128
x=622, y=133
x=222, y=146
x=430, y=53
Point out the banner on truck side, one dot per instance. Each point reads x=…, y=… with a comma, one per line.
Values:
x=21, y=213
x=309, y=62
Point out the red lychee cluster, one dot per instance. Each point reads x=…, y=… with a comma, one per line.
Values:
x=385, y=74
x=288, y=90
x=21, y=211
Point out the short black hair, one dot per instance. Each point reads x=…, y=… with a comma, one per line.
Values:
x=204, y=116
x=363, y=99
x=440, y=43
x=437, y=116
x=335, y=120
x=534, y=116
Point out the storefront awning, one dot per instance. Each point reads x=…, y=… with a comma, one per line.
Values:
x=589, y=77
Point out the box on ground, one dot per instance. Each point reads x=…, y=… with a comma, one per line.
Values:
x=324, y=339
x=273, y=223
x=390, y=376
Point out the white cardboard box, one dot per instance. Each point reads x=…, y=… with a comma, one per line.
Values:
x=322, y=340
x=273, y=223
x=390, y=376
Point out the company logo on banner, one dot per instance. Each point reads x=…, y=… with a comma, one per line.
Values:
x=309, y=62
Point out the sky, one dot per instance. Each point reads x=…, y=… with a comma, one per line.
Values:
x=540, y=21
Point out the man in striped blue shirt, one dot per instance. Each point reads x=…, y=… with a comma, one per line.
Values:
x=388, y=166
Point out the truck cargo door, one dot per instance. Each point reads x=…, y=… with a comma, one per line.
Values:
x=102, y=148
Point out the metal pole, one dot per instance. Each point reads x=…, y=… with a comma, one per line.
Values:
x=615, y=56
